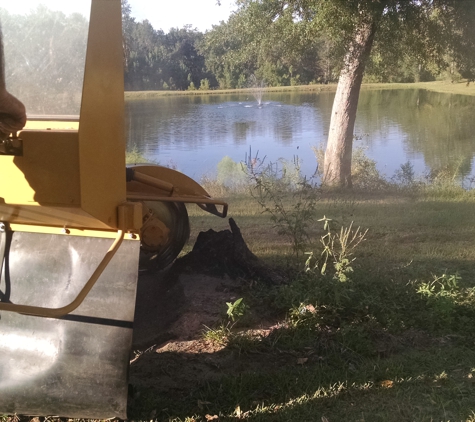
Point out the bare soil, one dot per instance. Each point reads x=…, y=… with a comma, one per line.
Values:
x=172, y=312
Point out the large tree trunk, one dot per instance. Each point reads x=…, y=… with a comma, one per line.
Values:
x=337, y=165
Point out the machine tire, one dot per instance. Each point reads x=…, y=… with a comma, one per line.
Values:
x=175, y=216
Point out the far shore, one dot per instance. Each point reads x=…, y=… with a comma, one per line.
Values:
x=438, y=86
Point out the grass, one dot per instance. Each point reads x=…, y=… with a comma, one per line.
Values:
x=402, y=388
x=438, y=86
x=394, y=343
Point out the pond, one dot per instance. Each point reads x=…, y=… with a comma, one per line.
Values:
x=193, y=133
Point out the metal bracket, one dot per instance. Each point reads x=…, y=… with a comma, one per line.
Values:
x=11, y=146
x=3, y=249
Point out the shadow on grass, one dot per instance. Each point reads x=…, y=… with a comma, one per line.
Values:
x=371, y=349
x=434, y=384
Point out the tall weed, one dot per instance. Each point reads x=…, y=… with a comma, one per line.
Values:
x=287, y=196
x=338, y=248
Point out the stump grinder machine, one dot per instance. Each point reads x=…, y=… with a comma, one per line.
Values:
x=74, y=224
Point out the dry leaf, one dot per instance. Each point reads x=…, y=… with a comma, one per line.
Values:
x=302, y=361
x=324, y=419
x=311, y=309
x=386, y=383
x=238, y=411
x=211, y=418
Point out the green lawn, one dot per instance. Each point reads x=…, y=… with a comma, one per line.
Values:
x=395, y=342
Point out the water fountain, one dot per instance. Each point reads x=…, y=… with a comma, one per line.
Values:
x=257, y=89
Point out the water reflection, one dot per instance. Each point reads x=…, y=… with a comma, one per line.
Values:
x=435, y=130
x=194, y=133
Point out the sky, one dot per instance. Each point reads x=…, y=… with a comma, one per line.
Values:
x=201, y=14
x=162, y=14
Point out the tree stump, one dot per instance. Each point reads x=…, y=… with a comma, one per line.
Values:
x=226, y=252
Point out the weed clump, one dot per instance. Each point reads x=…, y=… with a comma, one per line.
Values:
x=288, y=197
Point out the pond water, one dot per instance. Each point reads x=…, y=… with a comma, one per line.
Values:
x=193, y=133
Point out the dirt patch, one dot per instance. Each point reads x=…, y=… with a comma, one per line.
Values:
x=174, y=307
x=177, y=307
x=172, y=312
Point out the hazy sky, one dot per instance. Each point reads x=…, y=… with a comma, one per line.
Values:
x=162, y=14
x=201, y=14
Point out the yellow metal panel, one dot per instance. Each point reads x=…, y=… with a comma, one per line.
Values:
x=130, y=216
x=101, y=127
x=70, y=232
x=46, y=174
x=181, y=185
x=49, y=216
x=51, y=124
x=69, y=217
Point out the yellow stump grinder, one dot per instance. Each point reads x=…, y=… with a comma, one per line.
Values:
x=74, y=223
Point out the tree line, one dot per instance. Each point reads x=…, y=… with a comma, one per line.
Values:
x=279, y=42
x=292, y=43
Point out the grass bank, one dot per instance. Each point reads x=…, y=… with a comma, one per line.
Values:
x=391, y=341
x=131, y=95
x=438, y=86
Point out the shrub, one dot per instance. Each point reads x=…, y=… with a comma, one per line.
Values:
x=135, y=157
x=204, y=84
x=405, y=175
x=284, y=194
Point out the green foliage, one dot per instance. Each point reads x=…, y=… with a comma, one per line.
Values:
x=236, y=309
x=191, y=87
x=338, y=248
x=230, y=173
x=135, y=157
x=365, y=175
x=286, y=196
x=359, y=312
x=405, y=175
x=447, y=175
x=204, y=84
x=442, y=295
x=154, y=60
x=394, y=335
x=239, y=48
x=219, y=335
x=224, y=335
x=301, y=44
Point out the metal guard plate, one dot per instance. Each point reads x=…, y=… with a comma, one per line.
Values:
x=75, y=366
